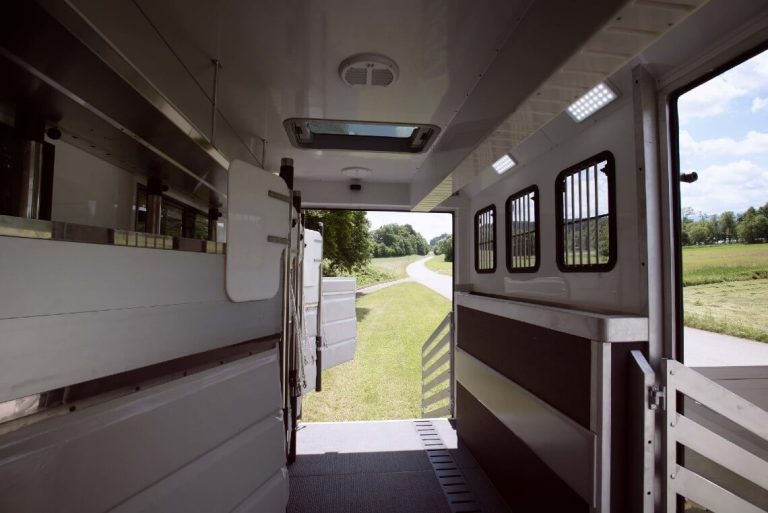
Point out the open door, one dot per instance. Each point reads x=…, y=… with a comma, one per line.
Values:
x=330, y=320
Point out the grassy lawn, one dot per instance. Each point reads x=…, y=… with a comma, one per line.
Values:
x=726, y=289
x=723, y=263
x=736, y=308
x=439, y=265
x=384, y=379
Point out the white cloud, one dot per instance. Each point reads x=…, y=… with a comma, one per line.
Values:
x=759, y=104
x=714, y=97
x=733, y=186
x=754, y=143
x=427, y=224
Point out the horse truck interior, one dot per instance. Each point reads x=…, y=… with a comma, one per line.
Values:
x=162, y=306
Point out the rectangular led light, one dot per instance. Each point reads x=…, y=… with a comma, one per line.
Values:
x=504, y=164
x=594, y=100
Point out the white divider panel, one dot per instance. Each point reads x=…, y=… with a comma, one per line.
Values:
x=257, y=231
x=313, y=257
x=339, y=321
x=209, y=442
x=339, y=327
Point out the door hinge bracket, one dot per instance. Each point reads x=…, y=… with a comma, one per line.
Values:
x=657, y=398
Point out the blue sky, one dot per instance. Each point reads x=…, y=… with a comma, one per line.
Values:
x=428, y=224
x=724, y=138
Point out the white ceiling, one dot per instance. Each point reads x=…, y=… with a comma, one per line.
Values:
x=280, y=60
x=464, y=66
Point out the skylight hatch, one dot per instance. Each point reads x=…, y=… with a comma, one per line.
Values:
x=328, y=134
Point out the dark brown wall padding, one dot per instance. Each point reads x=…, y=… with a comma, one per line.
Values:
x=552, y=365
x=524, y=481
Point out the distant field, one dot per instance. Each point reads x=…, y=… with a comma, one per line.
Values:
x=384, y=379
x=382, y=270
x=723, y=263
x=395, y=265
x=726, y=289
x=439, y=265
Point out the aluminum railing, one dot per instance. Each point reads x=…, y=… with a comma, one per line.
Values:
x=437, y=371
x=683, y=431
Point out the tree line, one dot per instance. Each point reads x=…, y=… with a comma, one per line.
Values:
x=349, y=243
x=443, y=245
x=750, y=227
x=393, y=240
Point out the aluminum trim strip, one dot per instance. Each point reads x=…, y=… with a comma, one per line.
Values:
x=589, y=325
x=710, y=495
x=562, y=444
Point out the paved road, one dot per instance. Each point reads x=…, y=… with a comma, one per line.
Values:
x=440, y=283
x=706, y=349
x=702, y=348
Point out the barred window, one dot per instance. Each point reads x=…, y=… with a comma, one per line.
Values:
x=586, y=215
x=485, y=240
x=522, y=229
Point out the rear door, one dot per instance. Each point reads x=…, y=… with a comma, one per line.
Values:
x=334, y=298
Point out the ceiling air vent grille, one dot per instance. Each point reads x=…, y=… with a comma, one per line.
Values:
x=368, y=70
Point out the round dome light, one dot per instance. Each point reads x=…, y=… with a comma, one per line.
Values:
x=356, y=172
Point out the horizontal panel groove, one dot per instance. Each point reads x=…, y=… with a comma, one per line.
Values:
x=567, y=448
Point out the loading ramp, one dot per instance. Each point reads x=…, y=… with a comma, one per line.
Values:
x=388, y=466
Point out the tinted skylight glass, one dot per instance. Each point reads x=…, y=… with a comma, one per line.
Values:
x=371, y=129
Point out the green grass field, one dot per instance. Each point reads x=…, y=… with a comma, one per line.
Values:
x=384, y=379
x=439, y=265
x=724, y=263
x=726, y=289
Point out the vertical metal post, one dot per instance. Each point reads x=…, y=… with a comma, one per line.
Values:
x=155, y=190
x=30, y=130
x=213, y=218
x=319, y=319
x=215, y=102
x=286, y=171
x=31, y=175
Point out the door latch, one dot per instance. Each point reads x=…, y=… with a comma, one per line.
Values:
x=657, y=398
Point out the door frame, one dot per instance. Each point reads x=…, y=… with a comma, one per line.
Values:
x=740, y=45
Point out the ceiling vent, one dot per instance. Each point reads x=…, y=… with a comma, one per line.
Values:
x=368, y=70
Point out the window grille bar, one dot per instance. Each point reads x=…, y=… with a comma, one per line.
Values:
x=589, y=221
x=597, y=217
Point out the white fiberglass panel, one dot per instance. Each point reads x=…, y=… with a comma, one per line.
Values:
x=257, y=227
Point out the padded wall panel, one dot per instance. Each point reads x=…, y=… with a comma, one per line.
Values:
x=215, y=436
x=525, y=482
x=551, y=365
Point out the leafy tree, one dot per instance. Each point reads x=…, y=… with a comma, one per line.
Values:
x=753, y=227
x=728, y=225
x=444, y=246
x=698, y=233
x=398, y=240
x=346, y=243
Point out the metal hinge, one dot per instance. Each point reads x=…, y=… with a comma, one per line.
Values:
x=657, y=398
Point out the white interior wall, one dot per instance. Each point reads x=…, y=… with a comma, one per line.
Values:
x=91, y=191
x=621, y=289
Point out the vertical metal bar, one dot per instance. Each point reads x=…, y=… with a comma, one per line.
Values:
x=573, y=222
x=564, y=202
x=581, y=220
x=319, y=318
x=215, y=102
x=670, y=442
x=31, y=178
x=597, y=218
x=515, y=238
x=589, y=221
x=529, y=253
